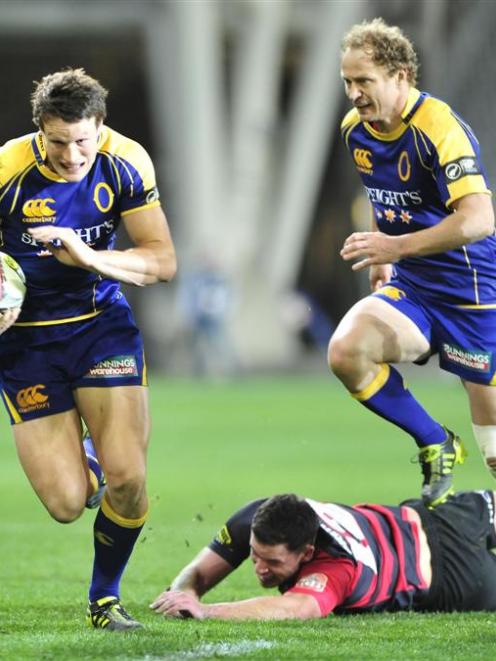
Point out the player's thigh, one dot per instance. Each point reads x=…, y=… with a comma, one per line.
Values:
x=482, y=399
x=383, y=331
x=119, y=421
x=51, y=455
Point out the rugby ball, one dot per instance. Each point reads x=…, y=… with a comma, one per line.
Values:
x=12, y=283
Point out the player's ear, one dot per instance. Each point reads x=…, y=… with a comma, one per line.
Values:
x=308, y=553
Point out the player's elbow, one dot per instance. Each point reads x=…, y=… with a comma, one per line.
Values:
x=168, y=267
x=302, y=607
x=485, y=217
x=479, y=213
x=488, y=223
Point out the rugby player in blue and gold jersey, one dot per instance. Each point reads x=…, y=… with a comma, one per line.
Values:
x=431, y=252
x=74, y=353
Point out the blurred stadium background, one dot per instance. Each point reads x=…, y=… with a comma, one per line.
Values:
x=239, y=104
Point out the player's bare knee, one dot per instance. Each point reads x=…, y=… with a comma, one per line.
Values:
x=65, y=512
x=491, y=464
x=125, y=489
x=342, y=355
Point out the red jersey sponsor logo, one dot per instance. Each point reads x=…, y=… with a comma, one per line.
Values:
x=315, y=582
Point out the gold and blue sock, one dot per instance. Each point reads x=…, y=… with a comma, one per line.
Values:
x=389, y=397
x=114, y=539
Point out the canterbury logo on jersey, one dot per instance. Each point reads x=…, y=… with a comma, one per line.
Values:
x=32, y=399
x=363, y=161
x=38, y=209
x=103, y=538
x=391, y=292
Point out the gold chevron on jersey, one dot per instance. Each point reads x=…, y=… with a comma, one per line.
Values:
x=123, y=151
x=351, y=119
x=16, y=158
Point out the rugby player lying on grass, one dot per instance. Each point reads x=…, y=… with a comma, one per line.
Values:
x=328, y=558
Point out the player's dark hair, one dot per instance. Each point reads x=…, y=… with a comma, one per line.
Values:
x=386, y=44
x=71, y=95
x=285, y=519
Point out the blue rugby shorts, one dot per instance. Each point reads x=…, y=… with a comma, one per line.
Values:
x=41, y=366
x=463, y=336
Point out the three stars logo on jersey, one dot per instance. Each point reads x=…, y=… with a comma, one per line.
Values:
x=390, y=215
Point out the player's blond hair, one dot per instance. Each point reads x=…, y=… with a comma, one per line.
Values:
x=387, y=46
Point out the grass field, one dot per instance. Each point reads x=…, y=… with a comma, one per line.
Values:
x=214, y=447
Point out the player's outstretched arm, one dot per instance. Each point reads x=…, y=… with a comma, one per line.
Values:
x=290, y=606
x=472, y=220
x=152, y=259
x=203, y=573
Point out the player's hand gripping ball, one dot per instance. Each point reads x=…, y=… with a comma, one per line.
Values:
x=12, y=283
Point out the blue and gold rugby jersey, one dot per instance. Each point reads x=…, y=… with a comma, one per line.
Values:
x=121, y=181
x=412, y=176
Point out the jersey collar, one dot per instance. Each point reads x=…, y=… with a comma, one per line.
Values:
x=39, y=150
x=412, y=103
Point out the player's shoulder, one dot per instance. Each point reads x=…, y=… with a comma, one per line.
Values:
x=351, y=119
x=232, y=541
x=115, y=144
x=434, y=117
x=15, y=156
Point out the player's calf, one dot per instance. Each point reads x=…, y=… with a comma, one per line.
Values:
x=485, y=435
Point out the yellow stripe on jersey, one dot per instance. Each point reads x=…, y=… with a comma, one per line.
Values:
x=375, y=386
x=16, y=155
x=386, y=137
x=144, y=381
x=152, y=205
x=14, y=181
x=129, y=174
x=12, y=409
x=19, y=183
x=121, y=147
x=435, y=120
x=116, y=171
x=469, y=184
x=484, y=306
x=417, y=138
x=349, y=122
x=351, y=118
x=53, y=322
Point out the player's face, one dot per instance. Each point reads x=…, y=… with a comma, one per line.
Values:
x=71, y=148
x=274, y=564
x=377, y=95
